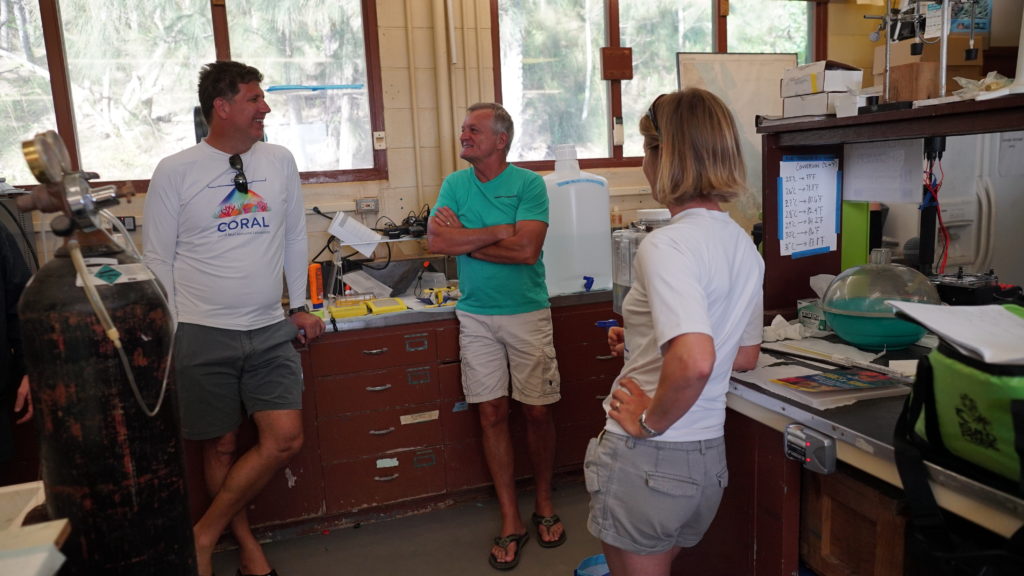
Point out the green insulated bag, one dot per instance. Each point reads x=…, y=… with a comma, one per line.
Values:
x=966, y=416
x=970, y=416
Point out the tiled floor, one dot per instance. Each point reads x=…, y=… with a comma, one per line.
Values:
x=450, y=541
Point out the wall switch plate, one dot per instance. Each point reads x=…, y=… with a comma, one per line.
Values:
x=367, y=205
x=380, y=141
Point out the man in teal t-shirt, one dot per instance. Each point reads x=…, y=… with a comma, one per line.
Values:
x=494, y=216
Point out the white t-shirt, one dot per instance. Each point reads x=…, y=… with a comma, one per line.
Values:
x=221, y=254
x=699, y=274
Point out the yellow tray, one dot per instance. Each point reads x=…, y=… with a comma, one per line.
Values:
x=386, y=305
x=349, y=309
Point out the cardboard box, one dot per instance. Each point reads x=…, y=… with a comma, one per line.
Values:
x=955, y=53
x=810, y=104
x=821, y=76
x=848, y=103
x=914, y=81
x=920, y=80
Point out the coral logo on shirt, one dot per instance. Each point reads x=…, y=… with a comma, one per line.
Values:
x=242, y=204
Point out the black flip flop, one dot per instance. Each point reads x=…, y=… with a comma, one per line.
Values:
x=548, y=522
x=503, y=542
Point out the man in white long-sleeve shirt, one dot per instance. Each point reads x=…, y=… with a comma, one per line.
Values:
x=224, y=220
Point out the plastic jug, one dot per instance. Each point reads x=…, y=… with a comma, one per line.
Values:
x=624, y=245
x=577, y=253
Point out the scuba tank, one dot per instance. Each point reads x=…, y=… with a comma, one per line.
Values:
x=98, y=359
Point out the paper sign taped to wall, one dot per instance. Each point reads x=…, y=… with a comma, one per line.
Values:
x=809, y=201
x=883, y=171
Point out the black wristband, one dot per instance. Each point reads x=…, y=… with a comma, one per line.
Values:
x=293, y=311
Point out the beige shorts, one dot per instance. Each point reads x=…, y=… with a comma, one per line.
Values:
x=495, y=347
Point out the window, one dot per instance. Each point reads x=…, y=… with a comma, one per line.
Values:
x=132, y=67
x=771, y=26
x=327, y=127
x=550, y=63
x=25, y=101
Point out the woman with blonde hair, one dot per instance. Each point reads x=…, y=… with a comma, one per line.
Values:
x=657, y=471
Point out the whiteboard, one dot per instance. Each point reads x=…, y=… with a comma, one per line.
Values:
x=749, y=85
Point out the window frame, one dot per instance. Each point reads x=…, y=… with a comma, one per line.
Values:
x=60, y=87
x=617, y=159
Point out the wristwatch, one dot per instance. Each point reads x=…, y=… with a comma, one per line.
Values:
x=650, y=432
x=293, y=311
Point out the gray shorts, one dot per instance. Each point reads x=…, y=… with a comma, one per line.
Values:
x=492, y=347
x=647, y=496
x=221, y=372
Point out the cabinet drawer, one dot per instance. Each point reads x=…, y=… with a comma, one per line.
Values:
x=450, y=376
x=459, y=420
x=362, y=434
x=448, y=342
x=385, y=478
x=581, y=402
x=578, y=323
x=347, y=354
x=464, y=465
x=376, y=390
x=585, y=360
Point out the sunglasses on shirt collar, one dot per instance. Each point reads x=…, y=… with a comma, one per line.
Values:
x=241, y=183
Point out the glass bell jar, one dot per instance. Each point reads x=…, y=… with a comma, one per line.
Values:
x=855, y=303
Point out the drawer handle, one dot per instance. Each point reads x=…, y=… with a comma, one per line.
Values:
x=416, y=343
x=378, y=388
x=605, y=357
x=382, y=432
x=376, y=352
x=386, y=478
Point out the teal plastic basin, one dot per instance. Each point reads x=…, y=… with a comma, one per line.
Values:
x=858, y=322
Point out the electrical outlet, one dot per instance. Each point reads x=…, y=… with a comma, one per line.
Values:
x=128, y=222
x=367, y=205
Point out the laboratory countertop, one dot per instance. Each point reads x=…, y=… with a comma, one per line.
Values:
x=864, y=434
x=448, y=312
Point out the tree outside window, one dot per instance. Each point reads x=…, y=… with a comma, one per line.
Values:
x=132, y=69
x=550, y=67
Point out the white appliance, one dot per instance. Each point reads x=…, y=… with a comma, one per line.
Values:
x=982, y=203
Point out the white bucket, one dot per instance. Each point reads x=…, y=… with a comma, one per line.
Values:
x=577, y=249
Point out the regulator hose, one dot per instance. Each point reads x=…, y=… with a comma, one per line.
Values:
x=96, y=302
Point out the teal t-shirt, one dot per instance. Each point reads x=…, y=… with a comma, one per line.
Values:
x=516, y=194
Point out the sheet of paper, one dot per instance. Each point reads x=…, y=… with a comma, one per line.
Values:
x=363, y=283
x=38, y=561
x=989, y=333
x=819, y=348
x=352, y=232
x=808, y=189
x=883, y=171
x=1011, y=154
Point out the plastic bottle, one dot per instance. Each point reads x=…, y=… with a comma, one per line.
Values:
x=316, y=286
x=577, y=253
x=624, y=245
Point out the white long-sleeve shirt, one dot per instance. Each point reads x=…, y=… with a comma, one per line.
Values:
x=221, y=254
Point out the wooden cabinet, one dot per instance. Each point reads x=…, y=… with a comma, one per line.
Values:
x=587, y=370
x=379, y=413
x=755, y=530
x=385, y=419
x=850, y=524
x=293, y=493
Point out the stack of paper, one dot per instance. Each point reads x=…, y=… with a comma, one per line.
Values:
x=817, y=385
x=991, y=334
